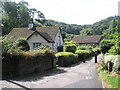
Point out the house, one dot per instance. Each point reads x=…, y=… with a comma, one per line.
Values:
x=88, y=40
x=50, y=36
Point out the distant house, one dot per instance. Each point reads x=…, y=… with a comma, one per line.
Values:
x=85, y=40
x=50, y=36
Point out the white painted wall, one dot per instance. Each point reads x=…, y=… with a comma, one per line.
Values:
x=38, y=39
x=58, y=41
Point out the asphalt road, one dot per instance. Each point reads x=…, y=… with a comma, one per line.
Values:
x=81, y=75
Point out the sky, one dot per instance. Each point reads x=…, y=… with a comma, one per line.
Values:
x=75, y=11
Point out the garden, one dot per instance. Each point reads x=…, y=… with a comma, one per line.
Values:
x=17, y=60
x=109, y=66
x=72, y=53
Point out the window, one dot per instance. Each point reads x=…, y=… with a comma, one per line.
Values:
x=36, y=45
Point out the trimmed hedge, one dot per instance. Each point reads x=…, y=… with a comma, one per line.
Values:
x=22, y=62
x=70, y=48
x=60, y=48
x=84, y=54
x=68, y=58
x=84, y=47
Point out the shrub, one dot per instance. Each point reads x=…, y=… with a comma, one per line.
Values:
x=85, y=53
x=115, y=50
x=96, y=49
x=84, y=47
x=105, y=45
x=22, y=42
x=69, y=58
x=9, y=46
x=60, y=48
x=70, y=48
x=71, y=42
x=46, y=52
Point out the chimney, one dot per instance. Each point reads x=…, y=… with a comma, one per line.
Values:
x=30, y=26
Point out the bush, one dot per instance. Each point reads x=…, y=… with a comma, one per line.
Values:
x=9, y=46
x=22, y=42
x=96, y=49
x=84, y=53
x=84, y=47
x=105, y=45
x=70, y=48
x=60, y=48
x=71, y=42
x=115, y=50
x=69, y=58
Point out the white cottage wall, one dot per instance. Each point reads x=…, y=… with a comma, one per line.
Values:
x=58, y=41
x=36, y=38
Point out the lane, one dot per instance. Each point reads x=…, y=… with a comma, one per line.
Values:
x=82, y=75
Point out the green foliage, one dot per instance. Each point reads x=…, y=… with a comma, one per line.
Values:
x=14, y=15
x=17, y=15
x=102, y=65
x=70, y=48
x=84, y=53
x=112, y=81
x=60, y=48
x=46, y=52
x=84, y=47
x=115, y=50
x=23, y=44
x=96, y=49
x=69, y=58
x=87, y=31
x=9, y=46
x=105, y=45
x=107, y=26
x=68, y=43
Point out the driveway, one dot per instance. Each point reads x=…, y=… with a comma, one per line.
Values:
x=80, y=75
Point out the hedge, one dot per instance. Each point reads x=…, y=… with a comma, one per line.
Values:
x=105, y=45
x=84, y=47
x=60, y=48
x=22, y=62
x=70, y=48
x=84, y=54
x=68, y=58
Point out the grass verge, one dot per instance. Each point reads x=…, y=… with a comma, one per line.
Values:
x=109, y=80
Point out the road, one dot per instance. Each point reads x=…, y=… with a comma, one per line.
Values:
x=81, y=75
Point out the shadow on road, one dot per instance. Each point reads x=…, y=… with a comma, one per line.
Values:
x=36, y=76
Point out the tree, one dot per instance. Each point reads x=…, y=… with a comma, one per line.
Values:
x=87, y=31
x=14, y=15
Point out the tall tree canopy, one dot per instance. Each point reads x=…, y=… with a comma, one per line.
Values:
x=17, y=15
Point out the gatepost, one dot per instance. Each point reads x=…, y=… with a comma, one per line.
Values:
x=95, y=56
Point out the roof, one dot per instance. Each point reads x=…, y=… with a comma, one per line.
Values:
x=92, y=39
x=48, y=33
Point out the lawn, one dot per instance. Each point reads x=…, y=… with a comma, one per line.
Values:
x=110, y=80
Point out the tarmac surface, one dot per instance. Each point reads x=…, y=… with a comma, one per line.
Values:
x=80, y=75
